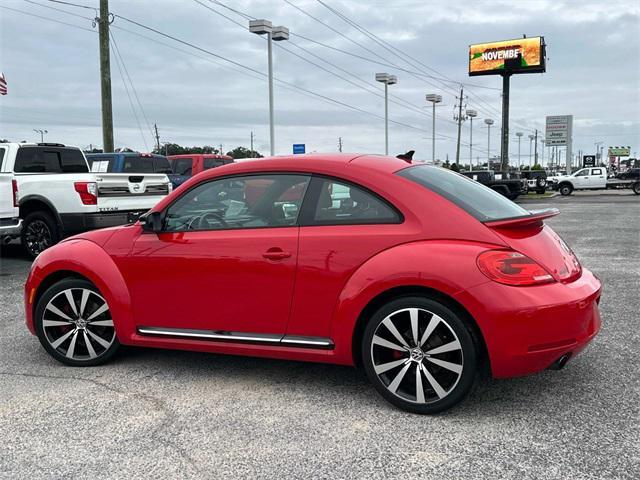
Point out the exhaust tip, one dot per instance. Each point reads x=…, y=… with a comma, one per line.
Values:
x=560, y=362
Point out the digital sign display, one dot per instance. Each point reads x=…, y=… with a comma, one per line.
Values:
x=522, y=55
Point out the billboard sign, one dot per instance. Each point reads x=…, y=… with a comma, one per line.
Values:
x=559, y=129
x=588, y=160
x=523, y=55
x=619, y=151
x=298, y=148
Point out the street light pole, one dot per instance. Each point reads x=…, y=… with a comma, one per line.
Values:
x=471, y=114
x=387, y=80
x=519, y=135
x=489, y=122
x=275, y=34
x=433, y=98
x=531, y=137
x=41, y=132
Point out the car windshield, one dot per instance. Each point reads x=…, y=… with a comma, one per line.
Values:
x=479, y=201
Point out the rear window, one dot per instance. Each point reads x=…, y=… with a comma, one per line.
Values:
x=162, y=165
x=212, y=163
x=50, y=160
x=137, y=164
x=182, y=166
x=479, y=201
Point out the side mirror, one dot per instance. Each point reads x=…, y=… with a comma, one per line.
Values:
x=151, y=222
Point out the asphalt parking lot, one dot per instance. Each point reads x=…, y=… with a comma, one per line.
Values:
x=153, y=413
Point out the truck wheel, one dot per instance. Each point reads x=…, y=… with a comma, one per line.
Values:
x=636, y=188
x=565, y=189
x=541, y=191
x=39, y=232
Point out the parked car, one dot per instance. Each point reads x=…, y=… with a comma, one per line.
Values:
x=58, y=195
x=185, y=166
x=507, y=184
x=10, y=223
x=592, y=178
x=536, y=180
x=402, y=277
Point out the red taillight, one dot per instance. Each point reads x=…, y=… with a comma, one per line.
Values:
x=14, y=187
x=512, y=268
x=88, y=192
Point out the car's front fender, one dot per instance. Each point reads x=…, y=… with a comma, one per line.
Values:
x=85, y=258
x=446, y=266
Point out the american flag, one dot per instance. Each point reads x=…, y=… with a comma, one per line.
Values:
x=3, y=84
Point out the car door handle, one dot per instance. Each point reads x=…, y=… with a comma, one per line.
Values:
x=276, y=254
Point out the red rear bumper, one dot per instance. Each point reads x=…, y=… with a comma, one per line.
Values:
x=527, y=329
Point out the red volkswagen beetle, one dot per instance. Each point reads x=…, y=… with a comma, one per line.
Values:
x=417, y=273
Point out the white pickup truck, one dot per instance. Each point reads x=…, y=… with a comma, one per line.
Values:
x=58, y=196
x=591, y=178
x=10, y=223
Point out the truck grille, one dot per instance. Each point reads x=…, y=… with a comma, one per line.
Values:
x=122, y=191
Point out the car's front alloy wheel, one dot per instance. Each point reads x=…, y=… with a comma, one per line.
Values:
x=419, y=355
x=74, y=324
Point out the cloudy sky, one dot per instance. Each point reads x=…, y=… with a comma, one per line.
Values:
x=197, y=97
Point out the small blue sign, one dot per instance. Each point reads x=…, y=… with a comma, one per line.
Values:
x=298, y=148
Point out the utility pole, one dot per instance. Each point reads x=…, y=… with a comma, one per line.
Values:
x=105, y=77
x=251, y=145
x=155, y=126
x=535, y=155
x=221, y=150
x=459, y=118
x=340, y=144
x=504, y=154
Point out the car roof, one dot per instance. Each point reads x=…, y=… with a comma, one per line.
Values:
x=329, y=163
x=204, y=155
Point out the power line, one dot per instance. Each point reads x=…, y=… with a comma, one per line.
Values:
x=73, y=4
x=48, y=19
x=60, y=10
x=133, y=109
x=133, y=88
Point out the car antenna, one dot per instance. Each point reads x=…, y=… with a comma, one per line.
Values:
x=407, y=157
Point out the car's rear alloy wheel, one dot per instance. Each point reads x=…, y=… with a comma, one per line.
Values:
x=74, y=324
x=419, y=355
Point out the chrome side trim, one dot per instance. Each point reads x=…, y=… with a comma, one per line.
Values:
x=226, y=336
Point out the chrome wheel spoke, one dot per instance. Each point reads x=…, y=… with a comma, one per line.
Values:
x=393, y=386
x=386, y=343
x=83, y=301
x=52, y=308
x=447, y=347
x=419, y=388
x=103, y=308
x=72, y=346
x=394, y=331
x=413, y=314
x=454, y=367
x=71, y=301
x=440, y=392
x=90, y=349
x=55, y=323
x=61, y=340
x=431, y=326
x=98, y=339
x=388, y=366
x=102, y=323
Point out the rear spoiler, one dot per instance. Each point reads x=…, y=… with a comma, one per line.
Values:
x=534, y=217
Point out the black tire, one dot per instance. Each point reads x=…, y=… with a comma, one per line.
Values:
x=450, y=386
x=541, y=191
x=95, y=346
x=636, y=188
x=565, y=189
x=39, y=232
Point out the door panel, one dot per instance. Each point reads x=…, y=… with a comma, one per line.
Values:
x=214, y=280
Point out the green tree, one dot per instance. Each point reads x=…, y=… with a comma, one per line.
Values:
x=537, y=166
x=175, y=149
x=455, y=167
x=242, y=152
x=446, y=164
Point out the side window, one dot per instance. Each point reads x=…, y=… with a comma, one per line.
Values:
x=212, y=163
x=73, y=161
x=37, y=160
x=1, y=158
x=342, y=203
x=183, y=166
x=596, y=171
x=583, y=173
x=241, y=202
